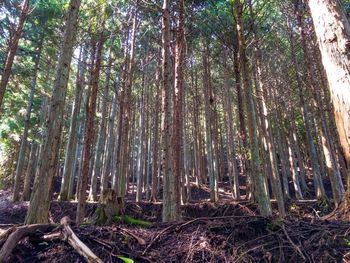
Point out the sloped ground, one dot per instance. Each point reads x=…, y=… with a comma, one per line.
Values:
x=224, y=232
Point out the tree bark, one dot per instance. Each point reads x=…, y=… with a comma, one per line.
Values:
x=125, y=112
x=40, y=201
x=89, y=129
x=68, y=170
x=101, y=141
x=171, y=207
x=178, y=100
x=155, y=138
x=332, y=29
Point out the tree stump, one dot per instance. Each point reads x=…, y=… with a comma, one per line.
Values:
x=110, y=205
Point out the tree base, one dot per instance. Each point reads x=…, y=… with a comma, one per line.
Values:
x=110, y=205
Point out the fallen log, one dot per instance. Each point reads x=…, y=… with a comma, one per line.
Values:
x=77, y=244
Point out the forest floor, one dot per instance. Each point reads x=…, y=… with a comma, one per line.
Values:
x=228, y=231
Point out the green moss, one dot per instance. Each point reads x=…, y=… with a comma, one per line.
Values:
x=99, y=217
x=132, y=221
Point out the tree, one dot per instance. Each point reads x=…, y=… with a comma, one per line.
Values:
x=332, y=29
x=12, y=51
x=40, y=200
x=260, y=188
x=89, y=128
x=24, y=139
x=170, y=200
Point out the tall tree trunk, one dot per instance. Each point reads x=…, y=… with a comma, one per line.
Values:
x=24, y=139
x=155, y=138
x=244, y=167
x=332, y=29
x=111, y=145
x=68, y=170
x=141, y=143
x=178, y=99
x=77, y=162
x=209, y=127
x=12, y=51
x=260, y=185
x=265, y=123
x=320, y=192
x=40, y=200
x=101, y=141
x=89, y=130
x=126, y=113
x=171, y=207
x=232, y=166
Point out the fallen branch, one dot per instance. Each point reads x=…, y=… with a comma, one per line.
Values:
x=77, y=244
x=5, y=234
x=17, y=234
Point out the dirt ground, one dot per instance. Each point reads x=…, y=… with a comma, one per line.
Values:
x=227, y=231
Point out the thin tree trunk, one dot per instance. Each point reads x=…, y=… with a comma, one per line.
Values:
x=101, y=141
x=89, y=130
x=68, y=170
x=12, y=51
x=33, y=159
x=155, y=138
x=209, y=119
x=178, y=100
x=111, y=145
x=126, y=113
x=233, y=172
x=24, y=139
x=260, y=185
x=320, y=192
x=266, y=125
x=171, y=207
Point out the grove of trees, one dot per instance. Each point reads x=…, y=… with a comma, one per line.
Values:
x=147, y=99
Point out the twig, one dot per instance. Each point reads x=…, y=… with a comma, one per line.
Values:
x=293, y=244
